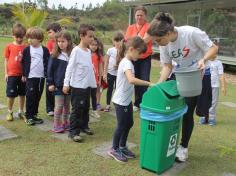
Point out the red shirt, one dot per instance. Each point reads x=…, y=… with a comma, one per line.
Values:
x=133, y=31
x=13, y=55
x=96, y=62
x=50, y=45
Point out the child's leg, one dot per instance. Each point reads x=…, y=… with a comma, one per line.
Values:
x=21, y=93
x=21, y=104
x=85, y=108
x=94, y=98
x=110, y=80
x=49, y=101
x=40, y=87
x=31, y=97
x=128, y=116
x=59, y=103
x=10, y=102
x=121, y=116
x=66, y=111
x=78, y=102
x=215, y=97
x=98, y=95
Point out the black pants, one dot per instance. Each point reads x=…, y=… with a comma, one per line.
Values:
x=94, y=98
x=188, y=122
x=50, y=100
x=205, y=99
x=111, y=80
x=125, y=121
x=79, y=116
x=142, y=69
x=34, y=90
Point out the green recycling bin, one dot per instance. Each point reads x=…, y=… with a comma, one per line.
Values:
x=162, y=109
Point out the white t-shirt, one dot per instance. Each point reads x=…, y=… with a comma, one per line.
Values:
x=36, y=66
x=112, y=53
x=124, y=90
x=216, y=70
x=79, y=72
x=189, y=47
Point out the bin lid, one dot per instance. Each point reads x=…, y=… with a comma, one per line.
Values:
x=157, y=117
x=163, y=98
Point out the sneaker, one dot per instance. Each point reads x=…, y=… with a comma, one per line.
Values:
x=127, y=153
x=30, y=122
x=76, y=138
x=181, y=154
x=58, y=129
x=21, y=115
x=50, y=113
x=95, y=114
x=212, y=121
x=37, y=120
x=117, y=155
x=107, y=109
x=99, y=107
x=202, y=121
x=9, y=116
x=135, y=108
x=88, y=131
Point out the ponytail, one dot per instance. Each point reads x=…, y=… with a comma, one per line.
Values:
x=135, y=42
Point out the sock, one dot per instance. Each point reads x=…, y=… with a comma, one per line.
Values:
x=10, y=111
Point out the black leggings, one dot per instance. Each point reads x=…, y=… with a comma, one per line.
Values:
x=111, y=80
x=125, y=121
x=94, y=98
x=188, y=122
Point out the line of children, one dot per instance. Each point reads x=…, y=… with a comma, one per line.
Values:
x=56, y=73
x=122, y=99
x=34, y=63
x=13, y=71
x=97, y=60
x=52, y=29
x=110, y=68
x=80, y=79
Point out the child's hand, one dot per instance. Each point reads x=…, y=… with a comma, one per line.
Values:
x=223, y=90
x=23, y=79
x=51, y=88
x=151, y=84
x=105, y=77
x=66, y=89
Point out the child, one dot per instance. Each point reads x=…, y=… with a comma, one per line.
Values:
x=97, y=61
x=80, y=77
x=34, y=62
x=52, y=29
x=13, y=71
x=110, y=68
x=217, y=76
x=122, y=98
x=56, y=74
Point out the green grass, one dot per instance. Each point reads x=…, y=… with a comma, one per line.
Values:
x=36, y=153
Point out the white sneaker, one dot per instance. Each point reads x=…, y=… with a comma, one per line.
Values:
x=181, y=154
x=95, y=114
x=51, y=113
x=135, y=108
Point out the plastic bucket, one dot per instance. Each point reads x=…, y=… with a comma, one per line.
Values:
x=189, y=81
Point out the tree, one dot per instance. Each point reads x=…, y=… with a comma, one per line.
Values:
x=43, y=4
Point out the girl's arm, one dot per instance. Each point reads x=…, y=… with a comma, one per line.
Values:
x=165, y=72
x=5, y=66
x=211, y=53
x=223, y=84
x=132, y=80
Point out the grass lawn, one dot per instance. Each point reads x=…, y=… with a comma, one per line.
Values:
x=36, y=153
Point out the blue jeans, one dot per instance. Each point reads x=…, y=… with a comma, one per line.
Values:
x=142, y=68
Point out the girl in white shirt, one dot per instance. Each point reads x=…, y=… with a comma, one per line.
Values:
x=122, y=98
x=189, y=47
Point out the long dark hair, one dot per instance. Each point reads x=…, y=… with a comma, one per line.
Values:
x=56, y=50
x=100, y=48
x=135, y=42
x=161, y=24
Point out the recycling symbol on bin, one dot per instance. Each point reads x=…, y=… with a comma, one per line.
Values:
x=173, y=140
